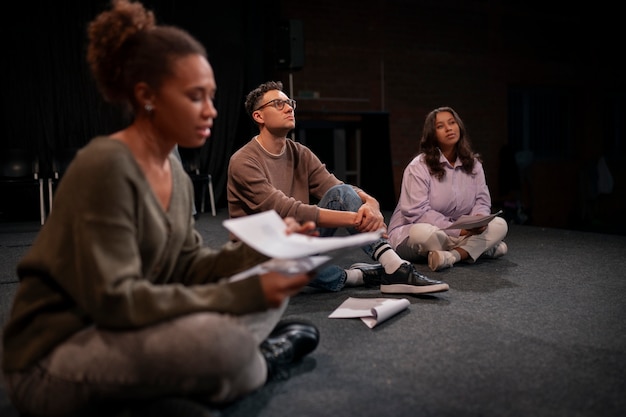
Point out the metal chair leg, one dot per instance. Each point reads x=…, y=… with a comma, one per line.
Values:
x=211, y=195
x=202, y=199
x=50, y=193
x=42, y=204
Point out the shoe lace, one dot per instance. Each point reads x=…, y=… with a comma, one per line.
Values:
x=415, y=277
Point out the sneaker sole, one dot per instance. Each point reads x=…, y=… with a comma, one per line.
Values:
x=412, y=289
x=365, y=265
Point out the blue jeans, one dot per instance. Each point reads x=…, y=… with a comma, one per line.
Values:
x=342, y=198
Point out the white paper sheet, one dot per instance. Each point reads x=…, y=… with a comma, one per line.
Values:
x=265, y=232
x=284, y=266
x=470, y=222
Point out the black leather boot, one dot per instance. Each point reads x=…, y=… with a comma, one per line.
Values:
x=288, y=343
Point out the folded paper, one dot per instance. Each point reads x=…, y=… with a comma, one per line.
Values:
x=372, y=311
x=471, y=222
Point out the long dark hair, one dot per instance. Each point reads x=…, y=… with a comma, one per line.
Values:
x=430, y=147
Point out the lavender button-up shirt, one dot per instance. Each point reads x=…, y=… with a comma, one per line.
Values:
x=425, y=199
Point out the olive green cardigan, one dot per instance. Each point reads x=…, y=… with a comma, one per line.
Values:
x=109, y=255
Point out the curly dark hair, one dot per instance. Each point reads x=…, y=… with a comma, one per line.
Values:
x=126, y=46
x=430, y=147
x=253, y=97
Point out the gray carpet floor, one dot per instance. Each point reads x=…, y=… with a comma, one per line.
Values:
x=539, y=332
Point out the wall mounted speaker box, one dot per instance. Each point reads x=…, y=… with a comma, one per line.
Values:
x=289, y=45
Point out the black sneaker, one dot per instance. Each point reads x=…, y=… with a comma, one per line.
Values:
x=288, y=343
x=372, y=273
x=406, y=280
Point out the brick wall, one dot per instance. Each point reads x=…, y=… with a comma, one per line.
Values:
x=408, y=57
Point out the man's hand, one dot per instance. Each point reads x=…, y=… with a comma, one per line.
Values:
x=307, y=228
x=369, y=218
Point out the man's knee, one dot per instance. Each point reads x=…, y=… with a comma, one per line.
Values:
x=341, y=197
x=343, y=191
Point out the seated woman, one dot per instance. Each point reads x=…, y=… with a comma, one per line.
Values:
x=442, y=183
x=120, y=305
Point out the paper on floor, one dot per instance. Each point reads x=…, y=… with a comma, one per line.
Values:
x=372, y=311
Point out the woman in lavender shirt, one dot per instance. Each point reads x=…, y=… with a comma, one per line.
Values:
x=443, y=182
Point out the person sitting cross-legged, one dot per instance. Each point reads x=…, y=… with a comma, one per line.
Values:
x=443, y=182
x=273, y=172
x=120, y=306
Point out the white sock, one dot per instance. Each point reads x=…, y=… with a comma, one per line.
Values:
x=457, y=255
x=388, y=258
x=354, y=277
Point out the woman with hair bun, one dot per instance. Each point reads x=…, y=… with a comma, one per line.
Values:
x=119, y=302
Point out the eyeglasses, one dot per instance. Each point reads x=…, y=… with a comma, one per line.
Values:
x=279, y=104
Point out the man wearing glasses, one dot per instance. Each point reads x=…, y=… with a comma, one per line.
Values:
x=272, y=172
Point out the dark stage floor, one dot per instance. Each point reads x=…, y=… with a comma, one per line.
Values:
x=539, y=332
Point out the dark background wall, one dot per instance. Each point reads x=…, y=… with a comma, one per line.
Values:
x=537, y=78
